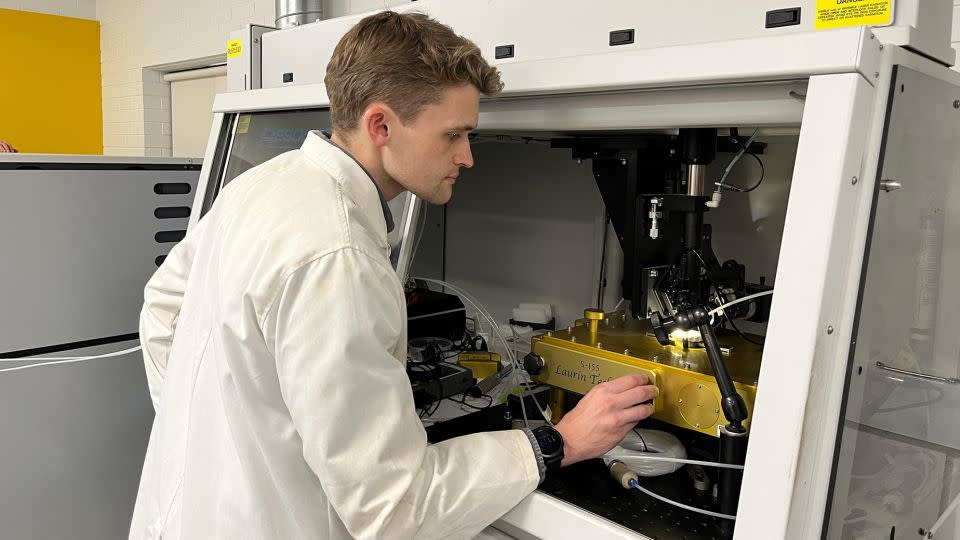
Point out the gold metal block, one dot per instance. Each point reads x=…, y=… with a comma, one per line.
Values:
x=482, y=364
x=576, y=359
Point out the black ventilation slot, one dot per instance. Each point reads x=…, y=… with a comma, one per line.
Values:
x=171, y=212
x=178, y=188
x=164, y=237
x=503, y=51
x=621, y=37
x=159, y=260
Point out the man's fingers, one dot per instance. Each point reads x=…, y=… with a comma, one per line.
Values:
x=632, y=415
x=635, y=395
x=626, y=382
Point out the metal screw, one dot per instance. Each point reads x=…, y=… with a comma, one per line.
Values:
x=881, y=46
x=623, y=161
x=256, y=40
x=599, y=345
x=579, y=160
x=699, y=386
x=717, y=411
x=549, y=334
x=573, y=339
x=698, y=425
x=854, y=180
x=829, y=329
x=872, y=36
x=680, y=400
x=876, y=74
x=956, y=104
x=890, y=185
x=626, y=351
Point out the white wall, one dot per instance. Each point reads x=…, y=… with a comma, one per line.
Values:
x=139, y=39
x=138, y=34
x=81, y=9
x=955, y=35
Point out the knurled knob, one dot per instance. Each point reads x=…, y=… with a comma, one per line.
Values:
x=533, y=363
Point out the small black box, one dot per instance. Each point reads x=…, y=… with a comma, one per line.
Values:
x=783, y=17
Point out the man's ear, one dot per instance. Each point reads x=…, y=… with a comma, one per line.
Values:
x=376, y=123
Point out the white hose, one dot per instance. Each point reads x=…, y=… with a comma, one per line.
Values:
x=720, y=309
x=635, y=485
x=647, y=457
x=52, y=361
x=511, y=355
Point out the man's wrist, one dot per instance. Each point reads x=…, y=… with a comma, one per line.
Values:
x=570, y=453
x=537, y=453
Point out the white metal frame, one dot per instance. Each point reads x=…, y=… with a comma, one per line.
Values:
x=844, y=76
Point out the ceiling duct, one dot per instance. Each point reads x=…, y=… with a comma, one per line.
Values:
x=297, y=12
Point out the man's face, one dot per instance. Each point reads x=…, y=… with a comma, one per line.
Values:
x=425, y=155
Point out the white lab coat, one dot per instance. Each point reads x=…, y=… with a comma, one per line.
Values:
x=274, y=337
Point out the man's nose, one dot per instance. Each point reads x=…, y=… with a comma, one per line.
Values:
x=464, y=156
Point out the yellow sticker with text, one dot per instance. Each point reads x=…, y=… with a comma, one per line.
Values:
x=840, y=13
x=234, y=48
x=243, y=124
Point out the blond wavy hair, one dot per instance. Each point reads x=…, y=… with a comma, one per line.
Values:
x=404, y=60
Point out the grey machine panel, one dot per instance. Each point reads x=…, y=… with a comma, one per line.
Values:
x=899, y=442
x=79, y=243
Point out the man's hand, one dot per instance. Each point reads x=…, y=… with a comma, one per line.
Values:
x=604, y=416
x=6, y=147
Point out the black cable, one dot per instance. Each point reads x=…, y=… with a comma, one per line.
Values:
x=706, y=272
x=717, y=289
x=737, y=330
x=474, y=407
x=763, y=171
x=641, y=440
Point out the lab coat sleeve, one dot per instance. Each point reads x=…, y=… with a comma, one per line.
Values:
x=162, y=298
x=334, y=324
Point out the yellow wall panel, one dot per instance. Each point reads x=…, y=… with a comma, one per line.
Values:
x=50, y=83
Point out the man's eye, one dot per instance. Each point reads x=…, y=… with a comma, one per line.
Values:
x=454, y=135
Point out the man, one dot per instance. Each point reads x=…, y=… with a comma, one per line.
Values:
x=283, y=407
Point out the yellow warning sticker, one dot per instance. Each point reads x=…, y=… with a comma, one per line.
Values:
x=243, y=123
x=840, y=13
x=234, y=48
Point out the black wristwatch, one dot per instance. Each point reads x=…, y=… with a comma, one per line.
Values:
x=551, y=446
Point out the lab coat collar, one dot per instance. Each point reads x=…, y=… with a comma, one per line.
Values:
x=342, y=164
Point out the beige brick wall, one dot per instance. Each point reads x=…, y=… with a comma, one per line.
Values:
x=136, y=37
x=81, y=9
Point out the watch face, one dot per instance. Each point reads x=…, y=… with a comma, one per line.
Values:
x=550, y=440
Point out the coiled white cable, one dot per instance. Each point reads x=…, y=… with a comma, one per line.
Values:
x=639, y=445
x=650, y=452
